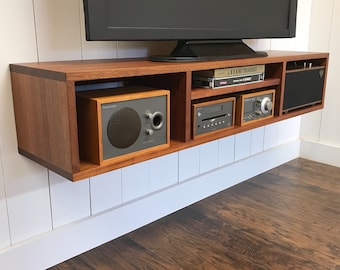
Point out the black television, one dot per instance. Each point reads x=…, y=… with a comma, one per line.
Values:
x=204, y=29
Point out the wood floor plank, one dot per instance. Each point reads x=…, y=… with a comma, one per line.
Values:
x=286, y=218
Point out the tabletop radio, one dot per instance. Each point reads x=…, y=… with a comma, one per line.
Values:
x=118, y=122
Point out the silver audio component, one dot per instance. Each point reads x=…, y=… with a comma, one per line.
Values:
x=213, y=115
x=255, y=106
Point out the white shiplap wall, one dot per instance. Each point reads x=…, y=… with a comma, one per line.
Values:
x=44, y=218
x=320, y=130
x=25, y=184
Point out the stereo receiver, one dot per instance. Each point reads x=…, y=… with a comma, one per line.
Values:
x=213, y=115
x=120, y=122
x=255, y=106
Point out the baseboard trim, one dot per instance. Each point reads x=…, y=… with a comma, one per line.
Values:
x=319, y=152
x=66, y=242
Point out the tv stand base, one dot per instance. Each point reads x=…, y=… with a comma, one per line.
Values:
x=196, y=51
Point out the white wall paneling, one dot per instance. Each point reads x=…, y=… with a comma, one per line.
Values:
x=319, y=40
x=271, y=133
x=208, y=156
x=27, y=198
x=242, y=145
x=135, y=181
x=57, y=26
x=310, y=126
x=69, y=201
x=321, y=24
x=1, y=167
x=226, y=150
x=257, y=140
x=330, y=130
x=130, y=49
x=106, y=191
x=320, y=132
x=300, y=42
x=25, y=182
x=5, y=239
x=188, y=163
x=289, y=130
x=258, y=44
x=163, y=172
x=150, y=176
x=75, y=238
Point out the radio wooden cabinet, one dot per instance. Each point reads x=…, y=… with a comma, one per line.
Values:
x=47, y=117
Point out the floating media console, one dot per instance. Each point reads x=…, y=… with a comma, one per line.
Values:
x=164, y=113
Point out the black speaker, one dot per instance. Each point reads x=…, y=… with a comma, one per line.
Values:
x=303, y=87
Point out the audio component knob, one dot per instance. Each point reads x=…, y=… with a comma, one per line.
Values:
x=156, y=118
x=149, y=131
x=266, y=105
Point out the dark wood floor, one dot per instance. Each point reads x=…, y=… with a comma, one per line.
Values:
x=286, y=218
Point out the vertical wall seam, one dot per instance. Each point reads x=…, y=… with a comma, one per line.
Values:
x=90, y=198
x=6, y=202
x=329, y=47
x=117, y=48
x=50, y=197
x=80, y=6
x=2, y=165
x=35, y=31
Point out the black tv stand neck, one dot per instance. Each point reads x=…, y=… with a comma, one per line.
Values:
x=208, y=50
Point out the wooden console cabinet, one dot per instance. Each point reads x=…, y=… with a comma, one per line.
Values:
x=44, y=96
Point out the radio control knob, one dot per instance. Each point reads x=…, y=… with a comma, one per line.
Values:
x=148, y=114
x=269, y=106
x=266, y=105
x=156, y=118
x=149, y=131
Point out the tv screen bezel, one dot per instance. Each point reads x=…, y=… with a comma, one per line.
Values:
x=97, y=30
x=195, y=43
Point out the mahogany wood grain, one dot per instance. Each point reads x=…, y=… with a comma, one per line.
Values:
x=286, y=218
x=45, y=117
x=116, y=68
x=46, y=114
